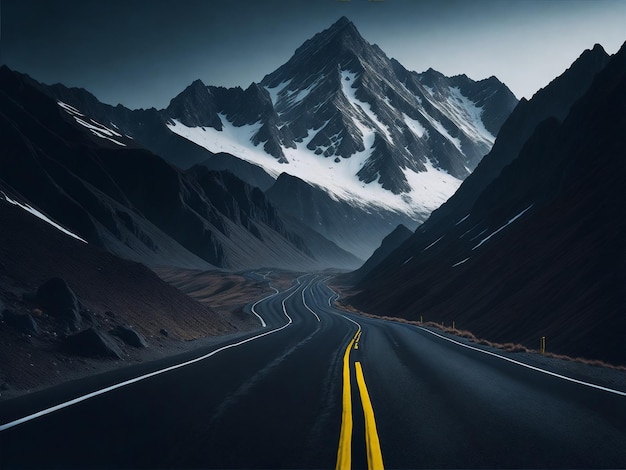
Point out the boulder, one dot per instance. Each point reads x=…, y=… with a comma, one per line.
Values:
x=95, y=343
x=129, y=336
x=59, y=301
x=89, y=317
x=22, y=322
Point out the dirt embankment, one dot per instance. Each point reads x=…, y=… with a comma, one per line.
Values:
x=111, y=293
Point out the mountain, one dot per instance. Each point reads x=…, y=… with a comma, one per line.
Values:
x=554, y=100
x=145, y=126
x=540, y=250
x=148, y=129
x=344, y=118
x=251, y=174
x=32, y=252
x=386, y=144
x=101, y=185
x=352, y=228
x=387, y=246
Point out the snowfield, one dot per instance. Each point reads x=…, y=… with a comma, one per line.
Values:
x=430, y=188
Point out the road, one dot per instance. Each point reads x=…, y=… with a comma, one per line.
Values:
x=319, y=388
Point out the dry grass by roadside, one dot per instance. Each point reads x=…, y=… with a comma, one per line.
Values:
x=507, y=347
x=224, y=292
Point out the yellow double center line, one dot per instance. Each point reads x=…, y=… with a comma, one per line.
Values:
x=372, y=443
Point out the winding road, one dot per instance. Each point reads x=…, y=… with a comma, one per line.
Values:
x=317, y=387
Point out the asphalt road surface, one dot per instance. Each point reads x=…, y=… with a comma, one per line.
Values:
x=319, y=388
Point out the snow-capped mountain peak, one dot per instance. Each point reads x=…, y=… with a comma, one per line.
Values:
x=341, y=115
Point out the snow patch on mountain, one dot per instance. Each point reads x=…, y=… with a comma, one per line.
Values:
x=415, y=126
x=347, y=80
x=433, y=243
x=39, y=215
x=463, y=219
x=465, y=115
x=468, y=117
x=275, y=91
x=295, y=96
x=431, y=188
x=97, y=129
x=231, y=139
x=460, y=262
x=442, y=130
x=503, y=227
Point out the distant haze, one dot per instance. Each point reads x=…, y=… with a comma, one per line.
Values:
x=141, y=53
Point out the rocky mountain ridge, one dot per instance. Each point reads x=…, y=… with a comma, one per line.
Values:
x=539, y=251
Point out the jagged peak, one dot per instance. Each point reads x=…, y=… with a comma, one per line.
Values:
x=340, y=41
x=197, y=83
x=598, y=48
x=195, y=87
x=596, y=52
x=256, y=88
x=341, y=23
x=431, y=75
x=492, y=80
x=341, y=28
x=595, y=58
x=400, y=229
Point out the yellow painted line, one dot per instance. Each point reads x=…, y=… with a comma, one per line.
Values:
x=357, y=339
x=372, y=443
x=344, y=453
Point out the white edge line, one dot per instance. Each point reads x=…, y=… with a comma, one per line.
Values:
x=336, y=296
x=263, y=324
x=304, y=301
x=96, y=393
x=528, y=366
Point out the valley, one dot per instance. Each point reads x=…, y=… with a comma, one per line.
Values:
x=344, y=263
x=320, y=355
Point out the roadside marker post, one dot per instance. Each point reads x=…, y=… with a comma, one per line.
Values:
x=542, y=345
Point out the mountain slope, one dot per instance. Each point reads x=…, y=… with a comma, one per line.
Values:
x=340, y=102
x=145, y=126
x=554, y=100
x=32, y=252
x=541, y=251
x=100, y=184
x=354, y=229
x=342, y=117
x=387, y=246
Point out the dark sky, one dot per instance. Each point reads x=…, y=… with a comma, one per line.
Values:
x=143, y=52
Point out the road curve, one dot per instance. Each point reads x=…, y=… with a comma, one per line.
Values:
x=318, y=388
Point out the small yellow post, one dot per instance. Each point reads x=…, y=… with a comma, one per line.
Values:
x=421, y=319
x=453, y=327
x=542, y=345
